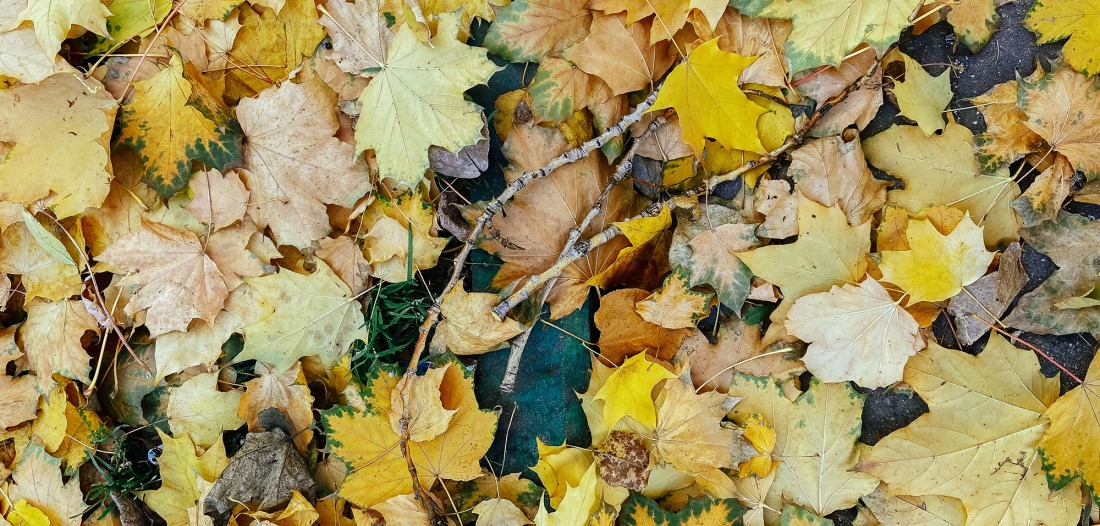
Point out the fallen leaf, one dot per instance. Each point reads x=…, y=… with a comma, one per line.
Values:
x=177, y=281
x=1074, y=424
x=641, y=511
x=182, y=468
x=624, y=333
x=296, y=166
x=1043, y=199
x=984, y=410
x=561, y=88
x=366, y=441
x=816, y=448
x=634, y=65
x=828, y=252
x=29, y=170
x=42, y=274
x=199, y=409
x=707, y=249
x=629, y=391
x=936, y=266
x=301, y=315
x=832, y=171
x=899, y=510
x=1053, y=21
x=53, y=21
x=36, y=479
x=468, y=325
x=173, y=118
x=674, y=305
x=1063, y=107
x=689, y=434
x=272, y=42
x=1077, y=275
x=52, y=338
x=527, y=30
x=219, y=199
x=359, y=33
x=499, y=512
x=975, y=21
x=857, y=333
x=922, y=97
x=989, y=297
x=266, y=471
x=1006, y=137
x=824, y=33
x=704, y=92
x=285, y=392
x=419, y=93
x=941, y=169
x=623, y=460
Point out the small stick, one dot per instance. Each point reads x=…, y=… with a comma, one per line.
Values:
x=486, y=217
x=511, y=371
x=1029, y=346
x=582, y=249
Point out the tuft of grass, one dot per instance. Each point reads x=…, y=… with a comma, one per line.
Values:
x=393, y=317
x=120, y=474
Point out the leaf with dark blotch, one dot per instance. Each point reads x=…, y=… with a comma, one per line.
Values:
x=264, y=471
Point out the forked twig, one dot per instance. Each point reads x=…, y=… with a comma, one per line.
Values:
x=485, y=219
x=508, y=384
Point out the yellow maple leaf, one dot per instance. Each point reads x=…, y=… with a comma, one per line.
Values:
x=578, y=504
x=705, y=94
x=824, y=32
x=367, y=441
x=669, y=16
x=1061, y=107
x=468, y=325
x=856, y=333
x=937, y=267
x=417, y=101
x=1067, y=445
x=815, y=440
x=1006, y=137
x=1053, y=21
x=499, y=512
x=171, y=119
x=296, y=165
x=198, y=408
x=287, y=392
x=301, y=315
x=982, y=410
x=181, y=470
x=560, y=467
x=689, y=435
x=23, y=513
x=974, y=21
x=629, y=391
x=635, y=65
x=922, y=97
x=52, y=336
x=42, y=274
x=36, y=479
x=273, y=42
x=32, y=168
x=177, y=280
x=827, y=252
x=941, y=169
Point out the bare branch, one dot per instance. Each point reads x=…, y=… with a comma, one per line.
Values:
x=508, y=384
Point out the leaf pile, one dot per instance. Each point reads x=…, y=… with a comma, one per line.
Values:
x=255, y=256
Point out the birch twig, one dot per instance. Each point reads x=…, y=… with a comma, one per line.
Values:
x=486, y=217
x=508, y=384
x=581, y=249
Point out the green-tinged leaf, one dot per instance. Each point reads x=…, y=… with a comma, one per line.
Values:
x=173, y=119
x=642, y=511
